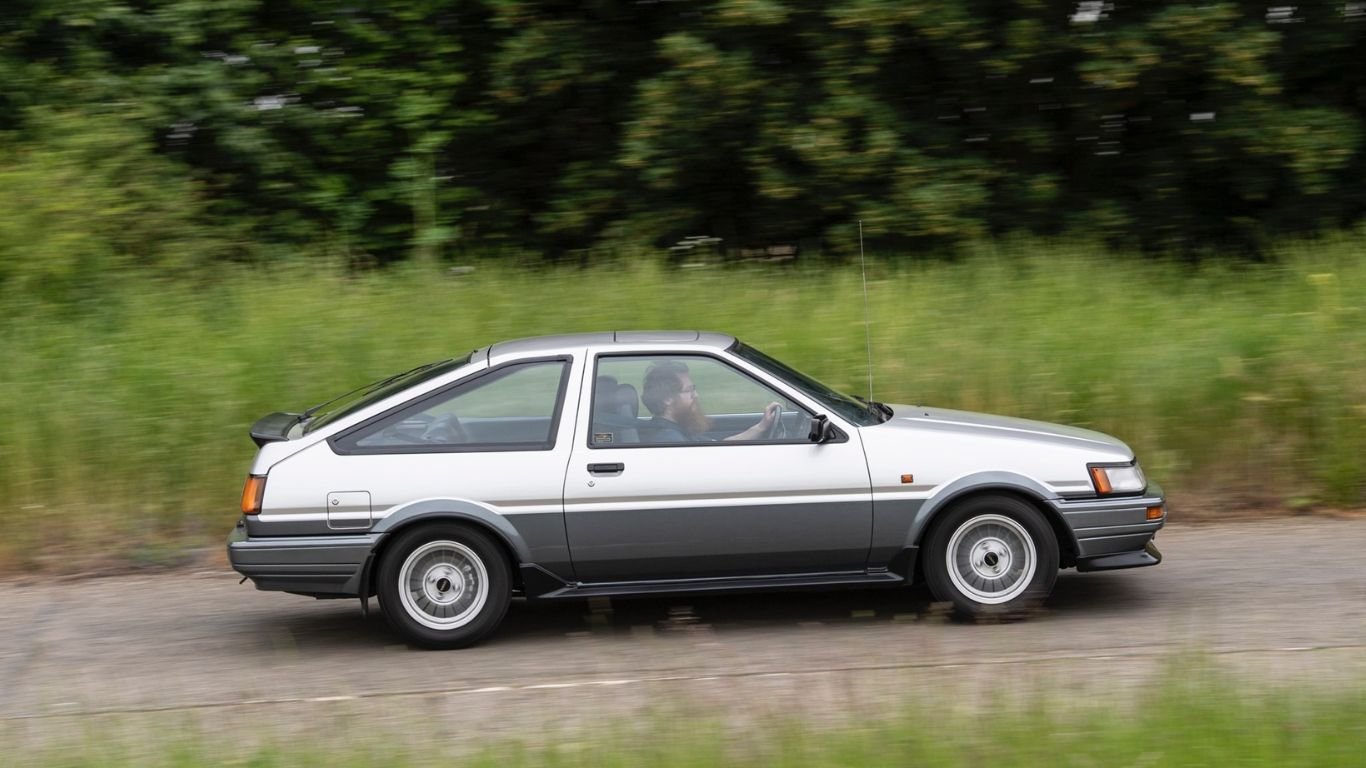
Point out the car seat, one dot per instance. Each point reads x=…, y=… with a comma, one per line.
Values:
x=616, y=411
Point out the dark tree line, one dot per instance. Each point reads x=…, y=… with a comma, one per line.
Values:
x=421, y=127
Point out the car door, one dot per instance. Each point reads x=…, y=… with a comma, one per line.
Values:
x=640, y=508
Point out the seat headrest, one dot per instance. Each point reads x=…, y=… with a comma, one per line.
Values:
x=605, y=394
x=627, y=401
x=613, y=399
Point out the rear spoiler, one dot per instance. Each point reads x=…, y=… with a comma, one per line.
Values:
x=274, y=427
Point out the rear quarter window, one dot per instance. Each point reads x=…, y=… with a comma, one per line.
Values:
x=513, y=407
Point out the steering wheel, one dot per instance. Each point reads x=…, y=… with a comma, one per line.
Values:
x=778, y=429
x=445, y=430
x=392, y=436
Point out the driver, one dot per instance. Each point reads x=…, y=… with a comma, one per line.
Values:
x=671, y=396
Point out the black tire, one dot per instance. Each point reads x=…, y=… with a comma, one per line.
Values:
x=994, y=534
x=444, y=585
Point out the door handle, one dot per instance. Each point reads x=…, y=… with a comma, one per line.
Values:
x=606, y=469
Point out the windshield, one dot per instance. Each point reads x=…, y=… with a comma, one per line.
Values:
x=352, y=401
x=850, y=408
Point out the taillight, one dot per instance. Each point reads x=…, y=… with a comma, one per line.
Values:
x=252, y=493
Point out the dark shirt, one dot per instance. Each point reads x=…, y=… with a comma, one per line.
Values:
x=661, y=430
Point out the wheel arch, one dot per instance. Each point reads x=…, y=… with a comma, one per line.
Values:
x=1010, y=484
x=430, y=511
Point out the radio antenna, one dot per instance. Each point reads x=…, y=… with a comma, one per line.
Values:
x=867, y=332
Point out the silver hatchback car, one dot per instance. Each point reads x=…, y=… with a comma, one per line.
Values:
x=642, y=463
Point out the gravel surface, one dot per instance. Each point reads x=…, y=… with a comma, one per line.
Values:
x=1280, y=602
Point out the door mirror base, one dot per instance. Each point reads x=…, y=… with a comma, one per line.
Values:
x=822, y=431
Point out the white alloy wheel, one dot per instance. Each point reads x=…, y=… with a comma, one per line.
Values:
x=991, y=559
x=443, y=585
x=994, y=556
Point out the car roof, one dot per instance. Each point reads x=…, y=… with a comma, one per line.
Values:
x=555, y=344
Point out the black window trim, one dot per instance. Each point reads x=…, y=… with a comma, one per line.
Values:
x=343, y=444
x=326, y=418
x=592, y=382
x=737, y=344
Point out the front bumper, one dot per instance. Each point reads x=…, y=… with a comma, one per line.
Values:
x=1114, y=533
x=1149, y=555
x=321, y=566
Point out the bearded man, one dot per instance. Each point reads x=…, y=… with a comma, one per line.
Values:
x=672, y=398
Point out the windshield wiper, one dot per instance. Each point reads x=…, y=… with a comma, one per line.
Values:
x=368, y=388
x=882, y=409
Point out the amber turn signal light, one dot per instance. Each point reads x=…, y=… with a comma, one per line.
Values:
x=1101, y=480
x=252, y=493
x=1155, y=513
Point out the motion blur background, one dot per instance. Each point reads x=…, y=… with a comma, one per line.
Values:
x=1141, y=217
x=173, y=133
x=1145, y=218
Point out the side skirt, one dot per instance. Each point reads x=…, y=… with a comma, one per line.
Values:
x=541, y=585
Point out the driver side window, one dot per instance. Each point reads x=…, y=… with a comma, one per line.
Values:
x=512, y=408
x=687, y=399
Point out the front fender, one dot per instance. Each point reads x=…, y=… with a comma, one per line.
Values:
x=974, y=483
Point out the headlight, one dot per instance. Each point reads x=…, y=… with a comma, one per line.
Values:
x=1110, y=479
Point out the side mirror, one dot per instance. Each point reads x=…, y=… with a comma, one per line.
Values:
x=821, y=429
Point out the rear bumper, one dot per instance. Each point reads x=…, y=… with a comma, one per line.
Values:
x=1114, y=533
x=322, y=566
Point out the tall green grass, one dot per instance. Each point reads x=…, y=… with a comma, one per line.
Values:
x=1205, y=720
x=123, y=421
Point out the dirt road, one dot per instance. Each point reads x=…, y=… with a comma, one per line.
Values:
x=1282, y=601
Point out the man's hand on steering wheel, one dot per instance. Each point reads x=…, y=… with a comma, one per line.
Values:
x=773, y=426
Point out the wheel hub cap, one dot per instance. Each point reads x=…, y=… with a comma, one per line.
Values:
x=991, y=559
x=444, y=584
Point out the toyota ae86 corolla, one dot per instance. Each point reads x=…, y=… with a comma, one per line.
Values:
x=643, y=463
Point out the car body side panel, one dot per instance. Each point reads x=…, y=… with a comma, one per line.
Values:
x=718, y=510
x=702, y=510
x=517, y=493
x=644, y=538
x=507, y=526
x=976, y=482
x=918, y=467
x=901, y=517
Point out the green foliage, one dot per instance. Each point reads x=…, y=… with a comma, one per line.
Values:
x=126, y=424
x=378, y=130
x=1201, y=719
x=92, y=200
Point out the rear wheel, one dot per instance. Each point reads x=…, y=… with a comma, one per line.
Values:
x=445, y=585
x=992, y=556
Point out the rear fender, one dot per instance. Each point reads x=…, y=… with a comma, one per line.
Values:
x=456, y=509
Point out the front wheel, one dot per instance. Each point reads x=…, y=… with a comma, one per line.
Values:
x=444, y=586
x=992, y=557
